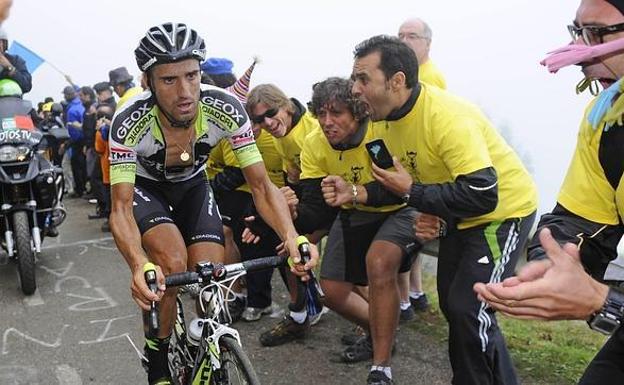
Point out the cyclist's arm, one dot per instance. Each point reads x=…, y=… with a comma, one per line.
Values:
x=128, y=239
x=124, y=227
x=272, y=207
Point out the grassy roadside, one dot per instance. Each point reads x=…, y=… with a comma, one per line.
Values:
x=544, y=352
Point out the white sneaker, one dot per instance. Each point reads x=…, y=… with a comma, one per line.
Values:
x=314, y=319
x=251, y=314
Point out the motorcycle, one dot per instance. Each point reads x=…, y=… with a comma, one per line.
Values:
x=31, y=189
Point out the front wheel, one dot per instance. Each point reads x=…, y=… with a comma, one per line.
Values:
x=25, y=252
x=236, y=367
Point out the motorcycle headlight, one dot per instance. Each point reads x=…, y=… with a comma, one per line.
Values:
x=8, y=153
x=23, y=152
x=14, y=153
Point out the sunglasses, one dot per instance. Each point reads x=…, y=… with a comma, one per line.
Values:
x=271, y=112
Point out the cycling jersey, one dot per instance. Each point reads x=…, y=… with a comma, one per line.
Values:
x=430, y=74
x=137, y=144
x=319, y=159
x=592, y=188
x=443, y=137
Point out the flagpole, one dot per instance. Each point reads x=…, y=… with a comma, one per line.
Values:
x=61, y=72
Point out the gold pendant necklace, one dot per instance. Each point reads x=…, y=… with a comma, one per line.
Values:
x=184, y=155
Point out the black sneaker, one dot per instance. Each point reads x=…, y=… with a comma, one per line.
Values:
x=285, y=331
x=353, y=336
x=407, y=314
x=236, y=308
x=361, y=350
x=421, y=303
x=377, y=377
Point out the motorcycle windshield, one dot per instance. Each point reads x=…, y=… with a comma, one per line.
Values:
x=16, y=126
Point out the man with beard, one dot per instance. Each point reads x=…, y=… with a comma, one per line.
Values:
x=565, y=282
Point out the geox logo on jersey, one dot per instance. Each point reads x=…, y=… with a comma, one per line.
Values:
x=131, y=121
x=231, y=112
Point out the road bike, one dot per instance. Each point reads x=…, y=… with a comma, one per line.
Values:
x=215, y=356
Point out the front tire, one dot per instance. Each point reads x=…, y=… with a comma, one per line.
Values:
x=25, y=252
x=236, y=367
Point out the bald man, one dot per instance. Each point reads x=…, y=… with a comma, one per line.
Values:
x=417, y=35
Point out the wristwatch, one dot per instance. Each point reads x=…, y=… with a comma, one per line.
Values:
x=10, y=69
x=608, y=319
x=406, y=197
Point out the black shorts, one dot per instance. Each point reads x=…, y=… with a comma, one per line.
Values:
x=189, y=205
x=352, y=234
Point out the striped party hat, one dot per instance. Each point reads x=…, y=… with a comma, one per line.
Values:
x=241, y=87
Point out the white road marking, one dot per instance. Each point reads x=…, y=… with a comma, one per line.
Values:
x=85, y=242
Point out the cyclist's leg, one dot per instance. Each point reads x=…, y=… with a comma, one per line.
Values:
x=164, y=246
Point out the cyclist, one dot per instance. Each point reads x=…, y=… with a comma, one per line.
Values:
x=162, y=206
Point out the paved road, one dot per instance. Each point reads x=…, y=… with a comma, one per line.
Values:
x=80, y=326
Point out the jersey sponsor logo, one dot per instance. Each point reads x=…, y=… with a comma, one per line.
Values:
x=123, y=168
x=135, y=120
x=243, y=139
x=119, y=155
x=228, y=114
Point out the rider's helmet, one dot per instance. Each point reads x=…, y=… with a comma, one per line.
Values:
x=10, y=87
x=168, y=43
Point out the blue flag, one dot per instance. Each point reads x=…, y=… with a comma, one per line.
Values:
x=33, y=61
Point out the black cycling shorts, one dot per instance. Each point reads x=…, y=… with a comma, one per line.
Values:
x=190, y=205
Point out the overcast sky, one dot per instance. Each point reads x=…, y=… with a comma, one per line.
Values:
x=489, y=51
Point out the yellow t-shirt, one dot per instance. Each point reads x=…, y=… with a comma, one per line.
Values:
x=289, y=146
x=430, y=74
x=223, y=155
x=129, y=94
x=586, y=190
x=443, y=137
x=319, y=159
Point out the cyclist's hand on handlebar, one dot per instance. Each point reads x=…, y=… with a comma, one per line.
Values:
x=141, y=293
x=301, y=270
